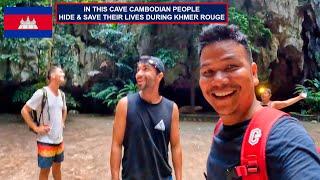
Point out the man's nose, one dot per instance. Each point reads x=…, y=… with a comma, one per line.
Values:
x=219, y=79
x=139, y=73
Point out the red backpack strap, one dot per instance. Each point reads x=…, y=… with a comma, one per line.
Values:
x=253, y=156
x=217, y=127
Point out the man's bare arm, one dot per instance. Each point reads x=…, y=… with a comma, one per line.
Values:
x=119, y=127
x=175, y=143
x=64, y=116
x=25, y=112
x=286, y=103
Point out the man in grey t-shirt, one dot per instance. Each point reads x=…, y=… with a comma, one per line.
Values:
x=52, y=119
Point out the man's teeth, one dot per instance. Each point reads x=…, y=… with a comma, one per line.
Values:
x=220, y=94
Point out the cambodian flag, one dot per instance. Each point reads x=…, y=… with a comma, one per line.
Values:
x=27, y=22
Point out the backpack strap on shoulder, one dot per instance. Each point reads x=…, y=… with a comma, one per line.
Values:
x=253, y=150
x=217, y=127
x=43, y=103
x=63, y=96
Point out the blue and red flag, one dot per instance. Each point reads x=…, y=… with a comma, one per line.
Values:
x=27, y=22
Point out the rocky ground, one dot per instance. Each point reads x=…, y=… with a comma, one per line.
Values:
x=87, y=147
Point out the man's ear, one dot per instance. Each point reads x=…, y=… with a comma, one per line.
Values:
x=160, y=75
x=254, y=69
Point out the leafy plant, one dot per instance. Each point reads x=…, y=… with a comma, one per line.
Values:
x=112, y=41
x=128, y=88
x=252, y=26
x=312, y=88
x=114, y=96
x=96, y=88
x=20, y=51
x=24, y=93
x=64, y=54
x=71, y=102
x=151, y=1
x=169, y=56
x=111, y=94
x=116, y=44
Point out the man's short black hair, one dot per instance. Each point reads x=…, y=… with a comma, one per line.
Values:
x=215, y=33
x=51, y=70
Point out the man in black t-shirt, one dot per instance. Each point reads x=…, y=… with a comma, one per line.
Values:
x=145, y=123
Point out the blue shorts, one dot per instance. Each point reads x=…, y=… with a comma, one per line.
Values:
x=49, y=153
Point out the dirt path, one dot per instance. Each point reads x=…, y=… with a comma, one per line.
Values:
x=87, y=148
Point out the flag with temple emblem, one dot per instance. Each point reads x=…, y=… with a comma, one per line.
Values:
x=28, y=22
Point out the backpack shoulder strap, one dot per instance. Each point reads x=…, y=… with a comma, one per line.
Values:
x=63, y=96
x=43, y=102
x=44, y=97
x=217, y=127
x=253, y=150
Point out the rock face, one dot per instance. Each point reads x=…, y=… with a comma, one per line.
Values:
x=293, y=54
x=311, y=37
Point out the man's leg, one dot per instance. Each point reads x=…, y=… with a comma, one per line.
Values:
x=58, y=158
x=44, y=160
x=44, y=173
x=56, y=171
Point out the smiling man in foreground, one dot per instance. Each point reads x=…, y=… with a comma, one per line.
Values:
x=228, y=77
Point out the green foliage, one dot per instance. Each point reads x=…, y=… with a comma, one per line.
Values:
x=9, y=49
x=113, y=41
x=4, y=3
x=128, y=88
x=111, y=94
x=312, y=102
x=116, y=44
x=151, y=1
x=169, y=56
x=16, y=49
x=97, y=87
x=82, y=1
x=252, y=26
x=317, y=56
x=71, y=101
x=1, y=22
x=64, y=54
x=124, y=70
x=23, y=94
x=40, y=84
x=22, y=51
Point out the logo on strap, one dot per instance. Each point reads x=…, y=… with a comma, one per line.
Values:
x=255, y=135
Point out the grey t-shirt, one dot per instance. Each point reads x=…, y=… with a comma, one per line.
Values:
x=54, y=106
